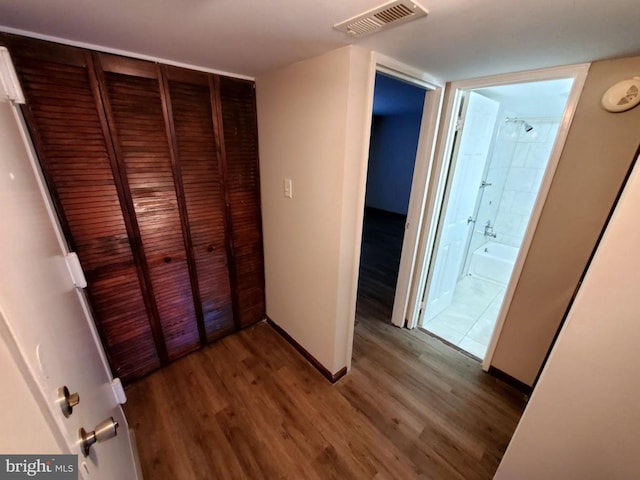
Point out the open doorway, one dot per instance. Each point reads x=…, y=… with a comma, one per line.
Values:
x=395, y=132
x=501, y=154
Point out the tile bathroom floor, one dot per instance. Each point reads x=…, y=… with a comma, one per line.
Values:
x=469, y=321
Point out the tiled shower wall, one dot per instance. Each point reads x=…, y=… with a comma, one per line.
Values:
x=515, y=171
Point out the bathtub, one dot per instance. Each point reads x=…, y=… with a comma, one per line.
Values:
x=493, y=261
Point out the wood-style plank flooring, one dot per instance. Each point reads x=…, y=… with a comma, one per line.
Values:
x=250, y=406
x=382, y=235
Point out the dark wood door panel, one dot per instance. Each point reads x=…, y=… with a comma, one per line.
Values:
x=199, y=162
x=154, y=173
x=130, y=344
x=237, y=101
x=138, y=129
x=215, y=291
x=250, y=283
x=245, y=213
x=63, y=117
x=172, y=288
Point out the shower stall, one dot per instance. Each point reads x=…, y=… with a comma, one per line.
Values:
x=498, y=163
x=513, y=173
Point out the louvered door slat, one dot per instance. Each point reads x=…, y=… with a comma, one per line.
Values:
x=72, y=150
x=136, y=107
x=199, y=163
x=243, y=183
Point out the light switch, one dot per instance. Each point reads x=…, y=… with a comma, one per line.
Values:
x=288, y=188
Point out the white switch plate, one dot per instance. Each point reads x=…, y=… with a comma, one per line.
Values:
x=288, y=188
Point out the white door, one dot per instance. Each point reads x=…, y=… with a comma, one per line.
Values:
x=478, y=122
x=47, y=315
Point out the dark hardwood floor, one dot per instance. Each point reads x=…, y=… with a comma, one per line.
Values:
x=382, y=235
x=250, y=406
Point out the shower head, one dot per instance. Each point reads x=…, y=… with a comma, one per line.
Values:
x=526, y=125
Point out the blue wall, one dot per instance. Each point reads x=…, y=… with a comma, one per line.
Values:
x=394, y=140
x=392, y=155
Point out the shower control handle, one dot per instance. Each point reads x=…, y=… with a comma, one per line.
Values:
x=488, y=230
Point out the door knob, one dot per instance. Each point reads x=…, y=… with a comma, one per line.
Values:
x=67, y=400
x=103, y=431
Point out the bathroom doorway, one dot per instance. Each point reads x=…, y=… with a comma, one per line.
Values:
x=502, y=144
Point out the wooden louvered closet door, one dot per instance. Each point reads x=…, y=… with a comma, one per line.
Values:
x=134, y=103
x=189, y=101
x=237, y=102
x=66, y=122
x=154, y=174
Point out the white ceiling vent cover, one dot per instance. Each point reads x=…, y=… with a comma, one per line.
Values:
x=386, y=16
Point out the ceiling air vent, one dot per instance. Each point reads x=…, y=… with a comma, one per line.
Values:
x=386, y=16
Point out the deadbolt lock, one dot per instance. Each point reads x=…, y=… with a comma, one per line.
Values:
x=103, y=431
x=67, y=400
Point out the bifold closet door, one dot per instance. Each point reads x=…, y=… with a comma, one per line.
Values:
x=238, y=113
x=139, y=128
x=67, y=124
x=153, y=171
x=190, y=96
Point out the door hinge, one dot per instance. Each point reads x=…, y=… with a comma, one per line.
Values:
x=459, y=124
x=118, y=391
x=9, y=79
x=421, y=309
x=75, y=270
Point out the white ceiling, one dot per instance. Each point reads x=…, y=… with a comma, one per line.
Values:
x=547, y=98
x=459, y=39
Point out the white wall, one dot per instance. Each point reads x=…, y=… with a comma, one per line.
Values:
x=583, y=420
x=313, y=121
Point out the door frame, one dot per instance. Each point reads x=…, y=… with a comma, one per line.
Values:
x=439, y=184
x=422, y=170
